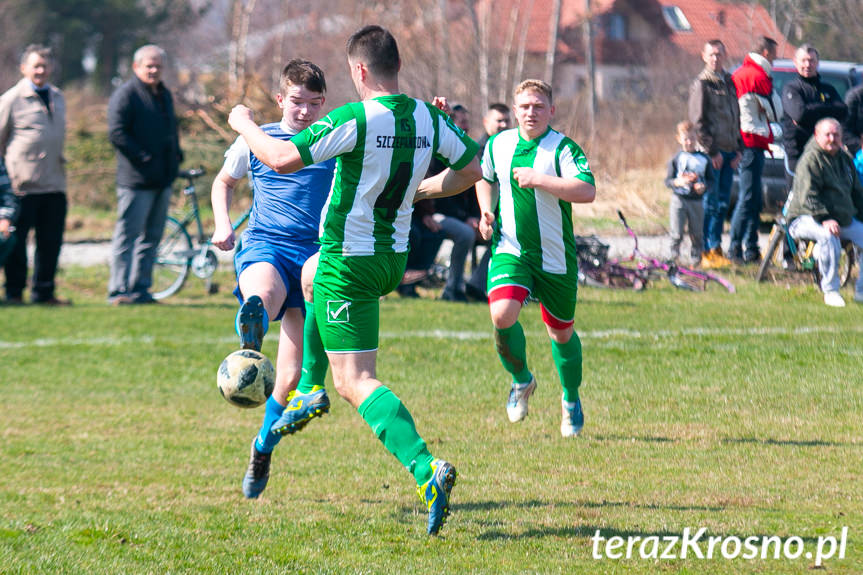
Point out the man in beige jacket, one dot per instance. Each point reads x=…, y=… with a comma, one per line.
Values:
x=32, y=133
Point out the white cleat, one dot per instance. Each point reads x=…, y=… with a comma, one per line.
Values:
x=516, y=405
x=833, y=299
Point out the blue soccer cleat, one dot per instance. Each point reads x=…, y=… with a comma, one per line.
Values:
x=257, y=474
x=516, y=405
x=573, y=418
x=250, y=323
x=434, y=493
x=301, y=409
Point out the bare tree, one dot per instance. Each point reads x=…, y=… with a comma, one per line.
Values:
x=242, y=12
x=552, y=41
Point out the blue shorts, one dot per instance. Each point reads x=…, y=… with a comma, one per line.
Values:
x=288, y=259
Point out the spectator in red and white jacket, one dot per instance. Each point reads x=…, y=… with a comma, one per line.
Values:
x=760, y=109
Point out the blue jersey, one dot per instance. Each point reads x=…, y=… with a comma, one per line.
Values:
x=287, y=207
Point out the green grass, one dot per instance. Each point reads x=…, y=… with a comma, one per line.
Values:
x=736, y=413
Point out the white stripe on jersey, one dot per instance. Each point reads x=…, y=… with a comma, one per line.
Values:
x=504, y=146
x=548, y=209
x=360, y=224
x=550, y=219
x=377, y=162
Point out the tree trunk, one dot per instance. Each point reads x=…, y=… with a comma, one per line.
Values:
x=552, y=42
x=242, y=12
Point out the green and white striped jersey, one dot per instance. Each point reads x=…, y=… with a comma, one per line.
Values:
x=532, y=223
x=383, y=148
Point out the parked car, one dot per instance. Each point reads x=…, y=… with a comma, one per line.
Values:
x=842, y=76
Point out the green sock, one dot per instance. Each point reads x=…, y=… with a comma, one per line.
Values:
x=511, y=348
x=567, y=358
x=315, y=362
x=392, y=423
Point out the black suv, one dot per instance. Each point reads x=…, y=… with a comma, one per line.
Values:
x=843, y=76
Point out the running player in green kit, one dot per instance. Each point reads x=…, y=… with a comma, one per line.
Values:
x=383, y=146
x=539, y=173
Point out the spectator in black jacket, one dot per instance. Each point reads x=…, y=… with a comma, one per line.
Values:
x=805, y=100
x=143, y=128
x=853, y=125
x=8, y=214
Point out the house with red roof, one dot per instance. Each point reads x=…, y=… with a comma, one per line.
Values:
x=636, y=43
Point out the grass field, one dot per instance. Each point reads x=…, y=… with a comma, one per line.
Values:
x=739, y=414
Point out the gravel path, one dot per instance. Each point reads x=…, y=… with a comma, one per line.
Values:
x=99, y=253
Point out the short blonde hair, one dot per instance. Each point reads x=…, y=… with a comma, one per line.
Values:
x=535, y=85
x=684, y=127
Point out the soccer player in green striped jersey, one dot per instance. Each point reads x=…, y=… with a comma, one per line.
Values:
x=383, y=146
x=531, y=176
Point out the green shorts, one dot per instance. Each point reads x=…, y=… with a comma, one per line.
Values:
x=511, y=276
x=347, y=298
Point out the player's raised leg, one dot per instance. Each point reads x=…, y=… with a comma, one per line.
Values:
x=310, y=399
x=261, y=281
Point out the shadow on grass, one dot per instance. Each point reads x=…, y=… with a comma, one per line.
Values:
x=589, y=531
x=645, y=438
x=790, y=442
x=492, y=505
x=731, y=440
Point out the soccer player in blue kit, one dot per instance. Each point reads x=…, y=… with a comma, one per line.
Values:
x=281, y=236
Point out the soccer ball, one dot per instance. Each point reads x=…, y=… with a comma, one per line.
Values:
x=246, y=378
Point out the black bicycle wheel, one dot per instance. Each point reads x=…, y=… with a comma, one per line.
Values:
x=777, y=234
x=613, y=276
x=847, y=257
x=173, y=260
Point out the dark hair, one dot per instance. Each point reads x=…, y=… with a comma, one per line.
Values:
x=499, y=107
x=299, y=72
x=458, y=108
x=40, y=49
x=764, y=44
x=377, y=49
x=716, y=43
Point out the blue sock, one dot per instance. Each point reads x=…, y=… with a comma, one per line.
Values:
x=266, y=440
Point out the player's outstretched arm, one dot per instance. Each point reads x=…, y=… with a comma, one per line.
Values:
x=449, y=182
x=487, y=197
x=567, y=189
x=221, y=195
x=280, y=155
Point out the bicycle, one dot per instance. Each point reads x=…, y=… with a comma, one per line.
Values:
x=798, y=255
x=638, y=269
x=181, y=252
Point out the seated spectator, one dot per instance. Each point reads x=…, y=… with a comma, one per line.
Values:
x=425, y=240
x=496, y=119
x=827, y=206
x=458, y=218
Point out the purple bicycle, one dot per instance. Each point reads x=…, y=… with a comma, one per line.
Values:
x=637, y=270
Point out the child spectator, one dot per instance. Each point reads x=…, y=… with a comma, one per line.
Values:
x=689, y=175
